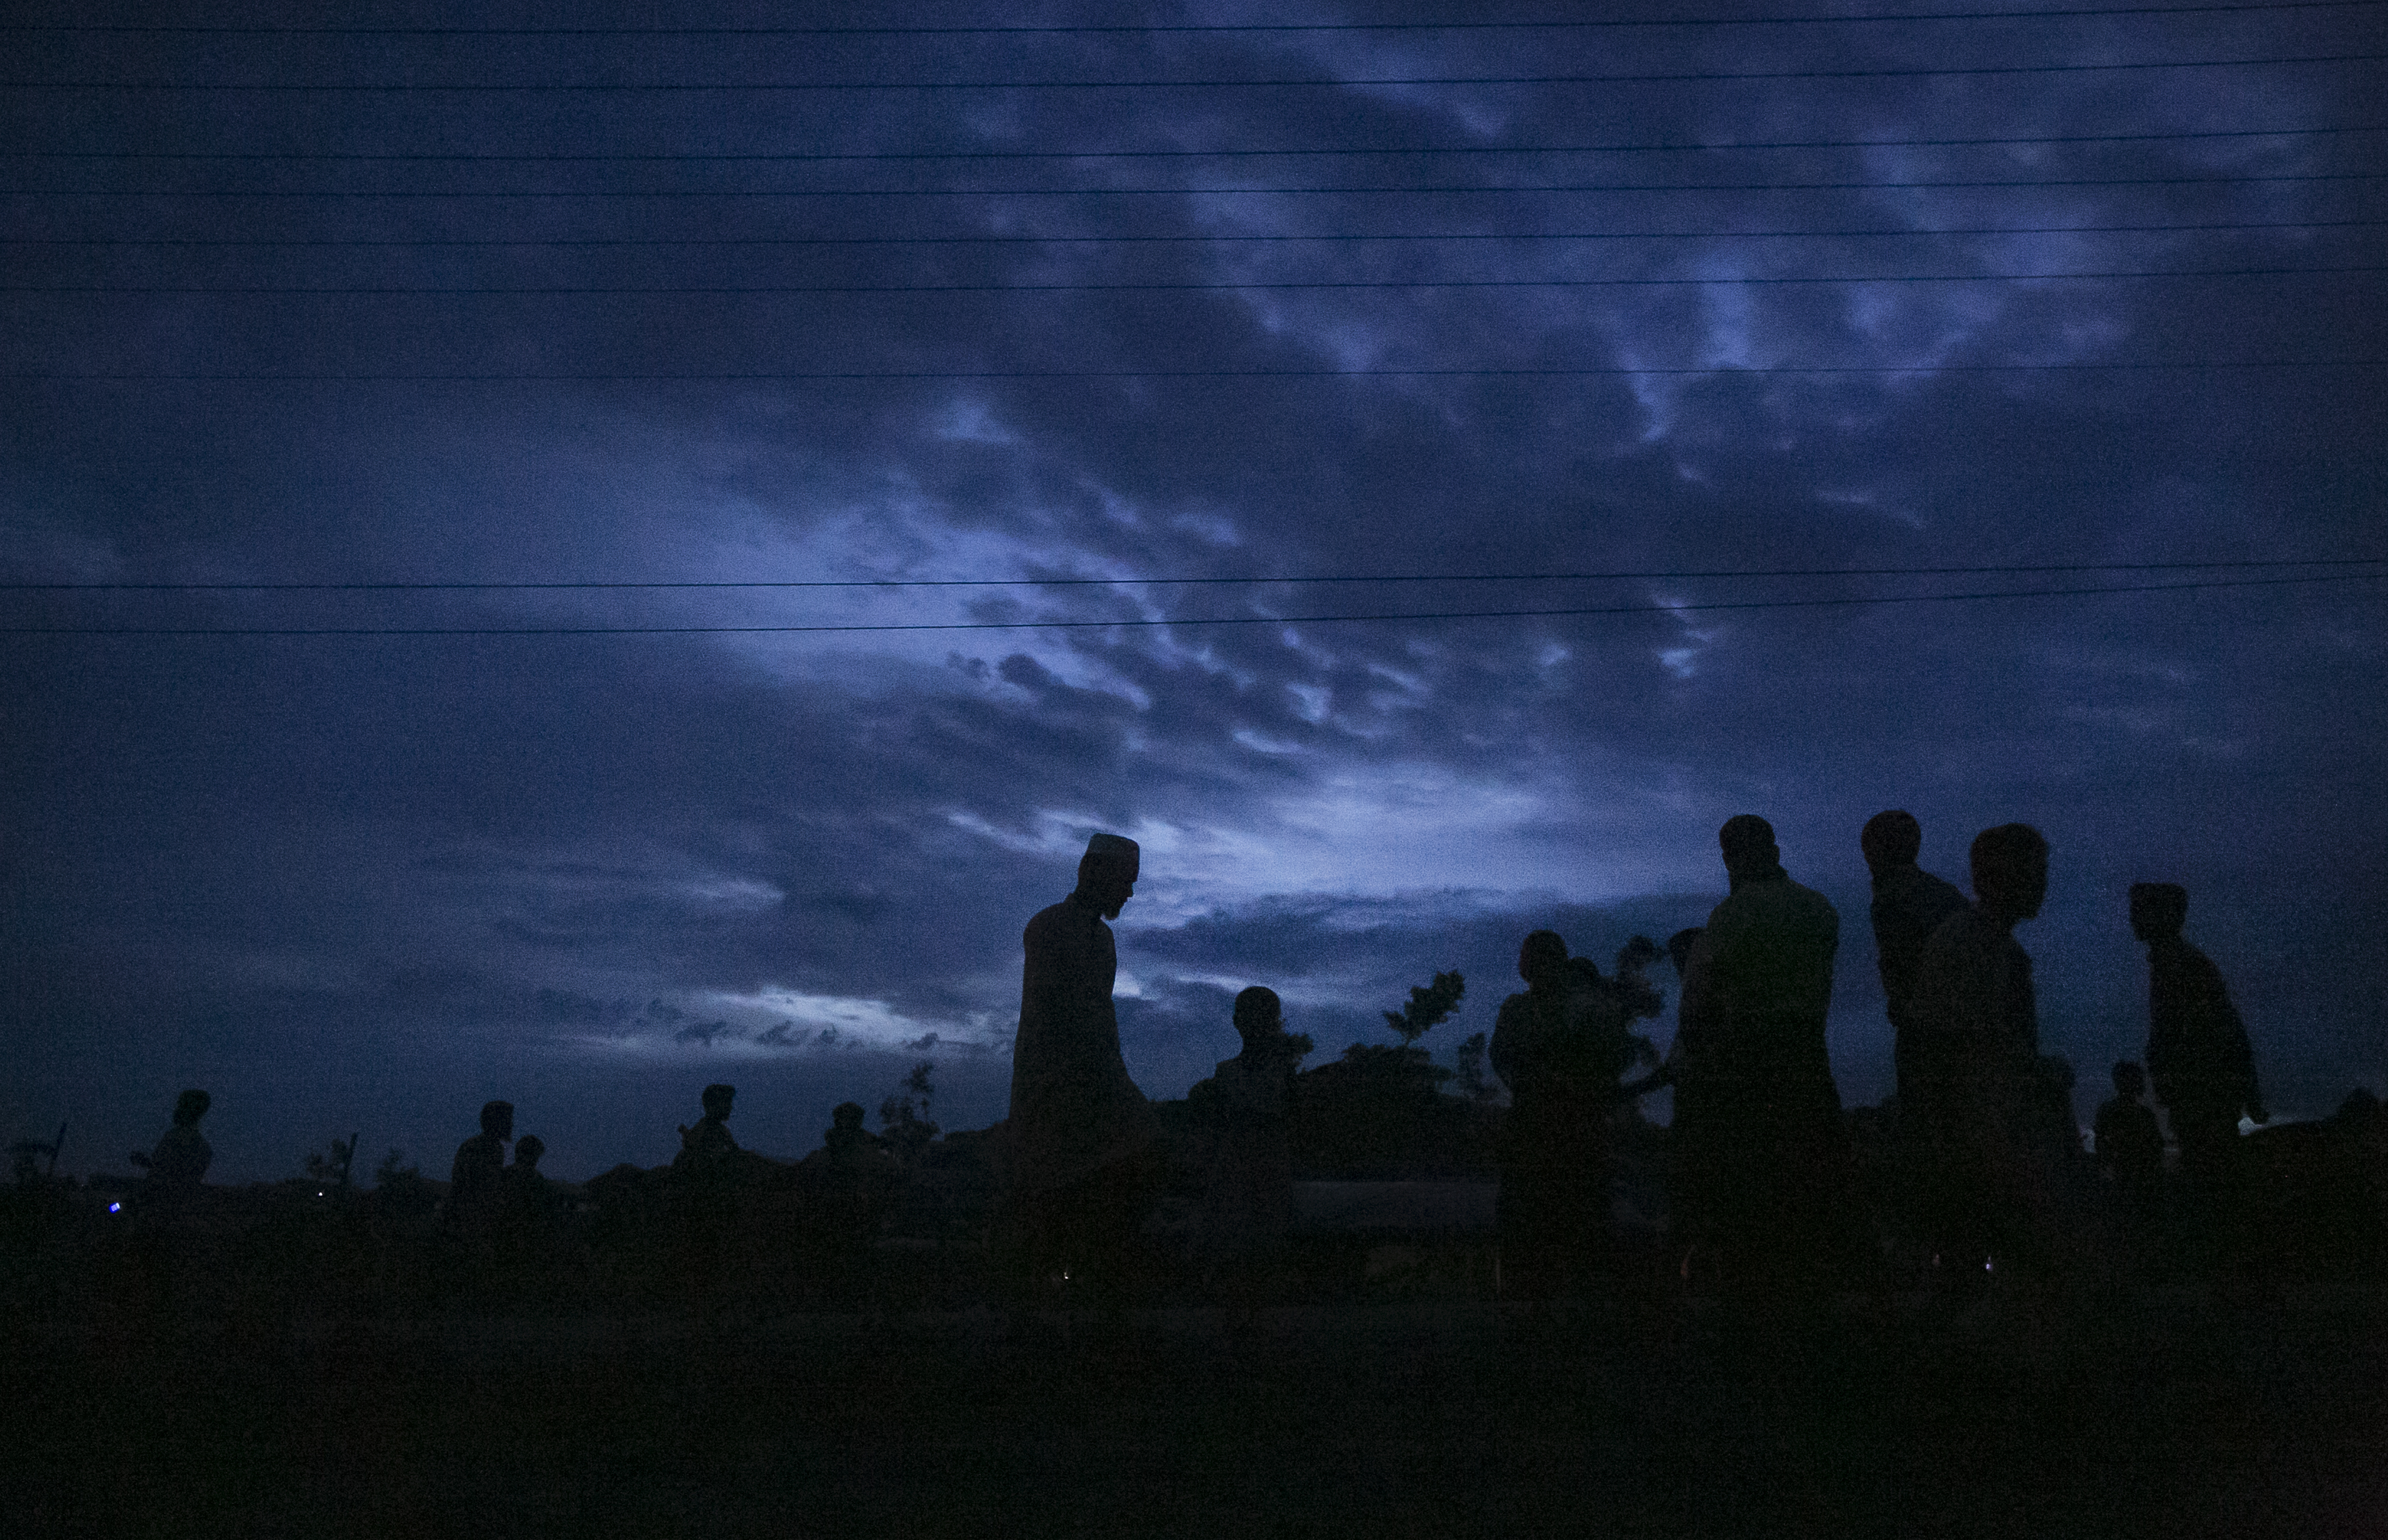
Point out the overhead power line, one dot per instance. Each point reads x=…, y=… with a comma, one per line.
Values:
x=675, y=242
x=877, y=583
x=546, y=158
x=771, y=376
x=1031, y=29
x=694, y=290
x=276, y=193
x=1143, y=623
x=1680, y=77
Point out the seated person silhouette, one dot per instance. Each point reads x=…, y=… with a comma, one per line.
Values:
x=179, y=1164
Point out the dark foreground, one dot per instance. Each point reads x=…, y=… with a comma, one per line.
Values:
x=2168, y=1413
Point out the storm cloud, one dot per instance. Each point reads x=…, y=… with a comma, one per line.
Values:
x=1650, y=303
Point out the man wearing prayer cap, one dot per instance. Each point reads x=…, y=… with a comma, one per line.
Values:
x=1081, y=1167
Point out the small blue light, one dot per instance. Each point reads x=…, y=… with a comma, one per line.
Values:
x=115, y=1208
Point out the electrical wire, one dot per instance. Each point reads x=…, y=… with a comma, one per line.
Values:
x=1684, y=77
x=1472, y=188
x=1611, y=23
x=575, y=243
x=691, y=290
x=776, y=376
x=1141, y=622
x=815, y=157
x=877, y=583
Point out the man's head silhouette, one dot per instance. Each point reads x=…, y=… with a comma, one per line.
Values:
x=1747, y=841
x=1107, y=873
x=1542, y=960
x=717, y=1099
x=498, y=1119
x=2010, y=871
x=189, y=1107
x=1891, y=840
x=1259, y=1014
x=2158, y=910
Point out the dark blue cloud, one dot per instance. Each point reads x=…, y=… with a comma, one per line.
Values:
x=408, y=873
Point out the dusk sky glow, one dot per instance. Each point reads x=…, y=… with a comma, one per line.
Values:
x=1881, y=310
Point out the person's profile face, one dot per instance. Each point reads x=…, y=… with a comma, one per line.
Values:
x=1111, y=884
x=2032, y=888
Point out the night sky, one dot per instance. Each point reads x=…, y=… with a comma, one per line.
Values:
x=1668, y=318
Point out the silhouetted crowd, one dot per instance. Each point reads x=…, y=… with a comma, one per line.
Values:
x=1975, y=1167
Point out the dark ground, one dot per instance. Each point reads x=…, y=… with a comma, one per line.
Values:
x=2172, y=1413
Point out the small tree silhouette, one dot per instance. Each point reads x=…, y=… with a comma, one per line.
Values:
x=904, y=1116
x=332, y=1170
x=1474, y=1085
x=1428, y=1005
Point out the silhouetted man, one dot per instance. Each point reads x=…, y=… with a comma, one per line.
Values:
x=846, y=1145
x=2198, y=1053
x=1247, y=1200
x=179, y=1164
x=1559, y=1047
x=1082, y=1169
x=476, y=1182
x=708, y=1150
x=1783, y=1176
x=1909, y=904
x=1980, y=1094
x=850, y=1178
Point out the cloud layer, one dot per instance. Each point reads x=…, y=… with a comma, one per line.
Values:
x=380, y=877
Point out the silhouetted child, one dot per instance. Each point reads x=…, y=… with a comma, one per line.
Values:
x=2130, y=1146
x=1247, y=1200
x=529, y=1192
